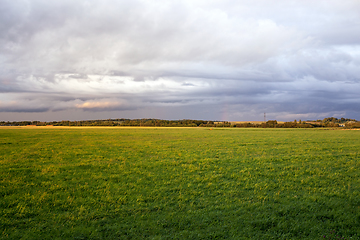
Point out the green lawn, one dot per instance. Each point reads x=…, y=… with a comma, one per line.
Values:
x=179, y=183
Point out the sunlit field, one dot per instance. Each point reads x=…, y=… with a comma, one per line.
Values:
x=179, y=183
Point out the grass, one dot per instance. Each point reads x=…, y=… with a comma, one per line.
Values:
x=179, y=183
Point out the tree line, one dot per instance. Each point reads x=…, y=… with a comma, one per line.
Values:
x=326, y=122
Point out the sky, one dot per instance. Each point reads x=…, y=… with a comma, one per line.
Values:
x=230, y=60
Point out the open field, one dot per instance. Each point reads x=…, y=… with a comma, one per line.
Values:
x=253, y=122
x=179, y=183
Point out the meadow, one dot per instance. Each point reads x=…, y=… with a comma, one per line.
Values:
x=179, y=183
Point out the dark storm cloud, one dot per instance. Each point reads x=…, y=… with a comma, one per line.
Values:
x=217, y=59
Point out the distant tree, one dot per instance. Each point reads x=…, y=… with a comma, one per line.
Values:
x=271, y=123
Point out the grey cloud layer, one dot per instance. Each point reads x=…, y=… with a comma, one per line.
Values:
x=288, y=58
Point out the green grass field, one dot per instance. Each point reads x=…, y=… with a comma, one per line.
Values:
x=179, y=183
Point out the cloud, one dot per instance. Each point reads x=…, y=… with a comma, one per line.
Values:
x=103, y=105
x=18, y=106
x=285, y=58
